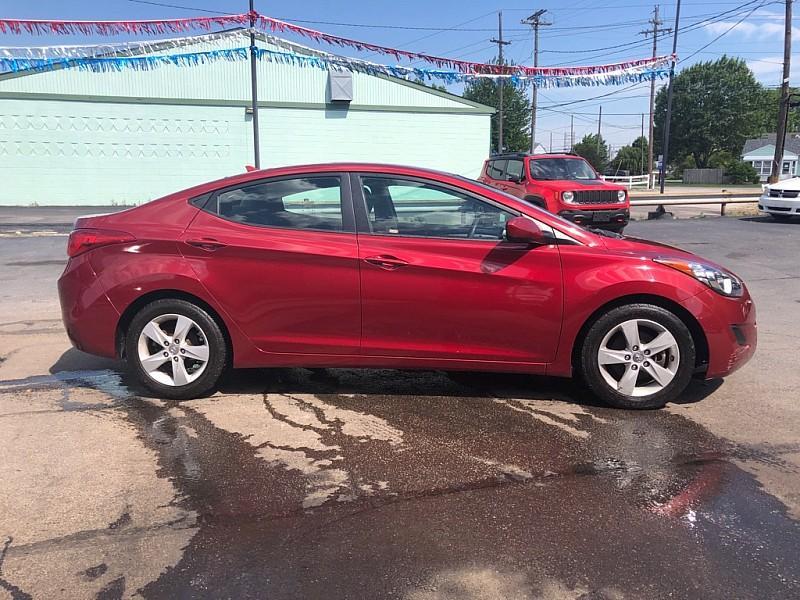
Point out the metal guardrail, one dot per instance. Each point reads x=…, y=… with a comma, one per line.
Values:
x=689, y=201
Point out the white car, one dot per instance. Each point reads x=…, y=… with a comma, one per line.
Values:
x=782, y=199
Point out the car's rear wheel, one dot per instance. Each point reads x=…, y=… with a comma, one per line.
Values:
x=175, y=349
x=638, y=356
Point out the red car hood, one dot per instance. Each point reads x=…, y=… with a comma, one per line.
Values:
x=650, y=249
x=571, y=185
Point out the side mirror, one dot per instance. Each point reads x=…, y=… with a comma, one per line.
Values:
x=522, y=229
x=514, y=179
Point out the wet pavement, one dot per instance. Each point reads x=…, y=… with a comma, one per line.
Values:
x=296, y=483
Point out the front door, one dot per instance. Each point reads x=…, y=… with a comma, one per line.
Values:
x=439, y=281
x=280, y=256
x=515, y=178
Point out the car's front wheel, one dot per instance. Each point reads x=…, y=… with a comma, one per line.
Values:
x=638, y=356
x=175, y=349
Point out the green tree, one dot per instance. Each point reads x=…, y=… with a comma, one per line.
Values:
x=716, y=106
x=516, y=112
x=594, y=149
x=632, y=158
x=768, y=113
x=434, y=86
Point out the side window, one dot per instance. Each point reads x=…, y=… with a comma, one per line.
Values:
x=496, y=168
x=299, y=203
x=514, y=170
x=413, y=208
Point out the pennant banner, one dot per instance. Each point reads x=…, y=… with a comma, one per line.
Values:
x=459, y=65
x=323, y=61
x=160, y=26
x=121, y=48
x=147, y=27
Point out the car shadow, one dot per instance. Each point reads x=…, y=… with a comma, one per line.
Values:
x=75, y=360
x=384, y=382
x=768, y=219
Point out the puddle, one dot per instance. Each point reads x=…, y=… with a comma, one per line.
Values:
x=304, y=492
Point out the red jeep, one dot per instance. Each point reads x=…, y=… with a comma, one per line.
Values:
x=564, y=184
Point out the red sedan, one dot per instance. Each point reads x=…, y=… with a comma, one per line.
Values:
x=364, y=265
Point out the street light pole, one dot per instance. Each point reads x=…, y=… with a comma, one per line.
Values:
x=254, y=86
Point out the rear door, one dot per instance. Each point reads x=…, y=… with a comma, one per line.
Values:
x=280, y=256
x=496, y=173
x=439, y=280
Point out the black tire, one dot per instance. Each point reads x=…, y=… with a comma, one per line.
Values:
x=214, y=338
x=590, y=369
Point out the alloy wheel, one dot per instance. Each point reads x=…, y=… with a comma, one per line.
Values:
x=173, y=350
x=638, y=357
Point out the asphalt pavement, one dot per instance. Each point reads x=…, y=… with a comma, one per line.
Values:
x=339, y=483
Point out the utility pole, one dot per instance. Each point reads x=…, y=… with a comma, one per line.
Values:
x=663, y=170
x=500, y=80
x=254, y=85
x=656, y=23
x=550, y=147
x=641, y=163
x=599, y=123
x=571, y=132
x=783, y=113
x=535, y=21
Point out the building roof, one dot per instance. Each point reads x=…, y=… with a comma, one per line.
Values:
x=792, y=143
x=55, y=80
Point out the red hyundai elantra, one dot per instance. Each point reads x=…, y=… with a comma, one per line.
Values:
x=364, y=265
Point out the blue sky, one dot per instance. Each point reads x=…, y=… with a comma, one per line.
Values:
x=581, y=33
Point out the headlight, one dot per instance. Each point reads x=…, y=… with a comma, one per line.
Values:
x=621, y=196
x=567, y=196
x=718, y=280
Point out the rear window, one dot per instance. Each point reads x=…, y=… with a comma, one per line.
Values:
x=296, y=203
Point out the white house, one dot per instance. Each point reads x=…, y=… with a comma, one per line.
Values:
x=760, y=153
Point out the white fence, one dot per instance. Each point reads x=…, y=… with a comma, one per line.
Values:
x=629, y=181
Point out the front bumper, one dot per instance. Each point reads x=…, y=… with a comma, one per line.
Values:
x=730, y=328
x=614, y=219
x=779, y=206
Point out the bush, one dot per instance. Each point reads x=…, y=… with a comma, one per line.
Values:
x=741, y=172
x=687, y=162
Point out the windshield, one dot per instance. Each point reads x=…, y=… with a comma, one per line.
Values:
x=562, y=169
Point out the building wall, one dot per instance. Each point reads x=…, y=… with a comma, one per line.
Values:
x=77, y=137
x=59, y=152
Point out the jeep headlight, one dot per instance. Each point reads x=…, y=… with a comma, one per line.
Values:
x=621, y=196
x=567, y=196
x=718, y=280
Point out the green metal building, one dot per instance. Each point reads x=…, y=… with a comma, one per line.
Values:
x=71, y=137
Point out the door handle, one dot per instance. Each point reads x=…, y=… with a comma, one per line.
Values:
x=385, y=261
x=208, y=244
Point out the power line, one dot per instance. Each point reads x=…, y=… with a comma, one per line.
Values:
x=724, y=33
x=180, y=7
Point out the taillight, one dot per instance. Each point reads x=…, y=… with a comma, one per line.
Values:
x=81, y=240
